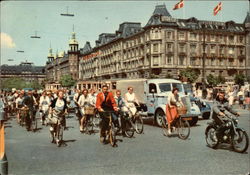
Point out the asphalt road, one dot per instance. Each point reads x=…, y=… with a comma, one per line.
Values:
x=148, y=153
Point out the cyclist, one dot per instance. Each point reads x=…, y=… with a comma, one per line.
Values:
x=19, y=105
x=30, y=101
x=44, y=103
x=105, y=102
x=131, y=100
x=83, y=102
x=59, y=104
x=121, y=104
x=174, y=101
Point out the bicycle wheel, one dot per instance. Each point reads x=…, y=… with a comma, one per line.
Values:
x=129, y=130
x=112, y=135
x=164, y=126
x=59, y=135
x=138, y=125
x=240, y=141
x=34, y=124
x=90, y=125
x=96, y=120
x=183, y=129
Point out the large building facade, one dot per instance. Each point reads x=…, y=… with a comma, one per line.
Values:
x=166, y=45
x=25, y=70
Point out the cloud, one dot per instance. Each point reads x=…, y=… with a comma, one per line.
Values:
x=7, y=41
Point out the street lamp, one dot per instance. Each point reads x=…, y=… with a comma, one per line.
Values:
x=203, y=62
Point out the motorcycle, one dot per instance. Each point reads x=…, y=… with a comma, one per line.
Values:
x=232, y=134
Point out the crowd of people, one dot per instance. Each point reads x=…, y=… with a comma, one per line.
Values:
x=87, y=100
x=234, y=94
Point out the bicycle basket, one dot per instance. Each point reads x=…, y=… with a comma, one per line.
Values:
x=51, y=119
x=182, y=110
x=89, y=110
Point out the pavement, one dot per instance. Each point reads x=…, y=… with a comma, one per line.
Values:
x=150, y=153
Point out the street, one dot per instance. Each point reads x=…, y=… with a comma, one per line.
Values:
x=148, y=153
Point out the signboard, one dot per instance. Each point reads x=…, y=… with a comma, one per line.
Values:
x=92, y=55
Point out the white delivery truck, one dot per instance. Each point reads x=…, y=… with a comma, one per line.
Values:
x=153, y=94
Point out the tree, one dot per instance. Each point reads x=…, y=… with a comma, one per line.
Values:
x=215, y=80
x=14, y=82
x=67, y=81
x=190, y=73
x=212, y=80
x=239, y=79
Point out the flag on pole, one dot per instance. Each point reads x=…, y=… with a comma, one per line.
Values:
x=217, y=8
x=179, y=5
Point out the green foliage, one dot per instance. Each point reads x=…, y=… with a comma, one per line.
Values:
x=212, y=80
x=19, y=83
x=67, y=81
x=190, y=74
x=215, y=80
x=239, y=79
x=169, y=76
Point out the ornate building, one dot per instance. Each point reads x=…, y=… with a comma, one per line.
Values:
x=166, y=45
x=63, y=64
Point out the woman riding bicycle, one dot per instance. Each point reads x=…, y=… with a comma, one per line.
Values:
x=44, y=103
x=84, y=103
x=130, y=100
x=174, y=101
x=59, y=106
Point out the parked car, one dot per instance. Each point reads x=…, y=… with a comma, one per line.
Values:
x=203, y=106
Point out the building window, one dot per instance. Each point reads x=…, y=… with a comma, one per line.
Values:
x=155, y=60
x=169, y=47
x=182, y=48
x=212, y=38
x=169, y=59
x=193, y=61
x=241, y=39
x=169, y=35
x=193, y=36
x=231, y=38
x=155, y=48
x=212, y=48
x=193, y=48
x=181, y=36
x=213, y=63
x=181, y=60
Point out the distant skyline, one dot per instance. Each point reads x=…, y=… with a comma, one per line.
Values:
x=20, y=20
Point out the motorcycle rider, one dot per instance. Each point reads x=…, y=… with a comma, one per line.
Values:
x=220, y=106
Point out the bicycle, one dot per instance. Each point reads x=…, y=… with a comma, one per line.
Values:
x=181, y=124
x=126, y=124
x=110, y=130
x=57, y=127
x=137, y=120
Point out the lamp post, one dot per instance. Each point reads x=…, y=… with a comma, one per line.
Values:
x=203, y=62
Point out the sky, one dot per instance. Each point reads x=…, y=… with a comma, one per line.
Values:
x=20, y=20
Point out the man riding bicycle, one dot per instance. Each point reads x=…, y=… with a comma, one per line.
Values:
x=105, y=102
x=131, y=100
x=30, y=102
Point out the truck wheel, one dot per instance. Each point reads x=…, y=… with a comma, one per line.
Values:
x=193, y=121
x=158, y=117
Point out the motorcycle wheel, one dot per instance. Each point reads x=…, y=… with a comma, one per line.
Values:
x=211, y=138
x=240, y=141
x=129, y=130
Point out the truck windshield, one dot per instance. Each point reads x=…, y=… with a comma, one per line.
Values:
x=179, y=86
x=165, y=87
